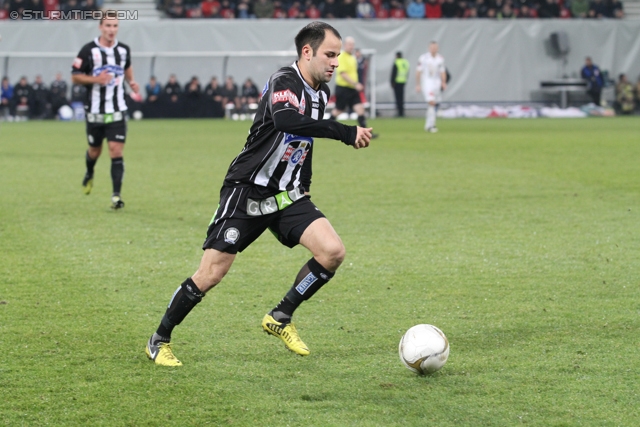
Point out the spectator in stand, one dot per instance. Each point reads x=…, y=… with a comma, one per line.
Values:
x=433, y=9
x=364, y=10
x=176, y=9
x=347, y=8
x=491, y=13
x=279, y=11
x=549, y=9
x=89, y=5
x=482, y=7
x=18, y=6
x=210, y=8
x=294, y=10
x=192, y=103
x=172, y=89
x=579, y=8
x=506, y=12
x=598, y=9
x=250, y=95
x=244, y=10
x=230, y=94
x=311, y=11
x=227, y=11
x=397, y=10
x=330, y=9
x=591, y=73
x=58, y=93
x=416, y=9
x=470, y=12
x=5, y=98
x=37, y=6
x=450, y=9
x=153, y=90
x=615, y=9
x=624, y=95
x=524, y=12
x=263, y=9
x=23, y=98
x=41, y=105
x=69, y=5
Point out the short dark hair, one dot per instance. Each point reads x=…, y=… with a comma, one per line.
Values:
x=313, y=34
x=108, y=14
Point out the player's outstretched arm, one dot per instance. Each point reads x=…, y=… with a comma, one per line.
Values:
x=290, y=121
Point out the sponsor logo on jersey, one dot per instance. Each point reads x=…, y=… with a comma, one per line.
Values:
x=116, y=71
x=285, y=96
x=306, y=283
x=77, y=63
x=231, y=235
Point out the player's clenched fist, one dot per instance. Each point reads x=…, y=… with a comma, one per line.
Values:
x=363, y=137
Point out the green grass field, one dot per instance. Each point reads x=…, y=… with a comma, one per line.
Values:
x=520, y=239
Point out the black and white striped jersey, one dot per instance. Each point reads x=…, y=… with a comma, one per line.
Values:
x=278, y=151
x=92, y=60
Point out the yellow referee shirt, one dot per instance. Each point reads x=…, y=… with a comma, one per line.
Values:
x=347, y=63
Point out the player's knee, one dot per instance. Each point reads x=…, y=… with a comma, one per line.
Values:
x=333, y=255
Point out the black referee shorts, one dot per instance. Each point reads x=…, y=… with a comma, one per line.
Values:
x=114, y=131
x=232, y=230
x=346, y=97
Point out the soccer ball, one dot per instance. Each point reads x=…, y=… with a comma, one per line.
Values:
x=424, y=349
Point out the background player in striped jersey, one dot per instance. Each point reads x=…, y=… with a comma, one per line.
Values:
x=431, y=78
x=102, y=66
x=266, y=187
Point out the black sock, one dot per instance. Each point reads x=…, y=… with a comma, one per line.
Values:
x=362, y=122
x=310, y=279
x=184, y=299
x=117, y=173
x=91, y=163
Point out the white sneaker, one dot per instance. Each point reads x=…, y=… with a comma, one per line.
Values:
x=432, y=129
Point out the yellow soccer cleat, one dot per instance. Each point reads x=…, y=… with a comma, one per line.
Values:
x=87, y=184
x=161, y=354
x=286, y=332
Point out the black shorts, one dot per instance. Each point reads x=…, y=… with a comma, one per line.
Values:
x=114, y=131
x=232, y=230
x=346, y=97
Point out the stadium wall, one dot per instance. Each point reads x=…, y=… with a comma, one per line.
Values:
x=489, y=60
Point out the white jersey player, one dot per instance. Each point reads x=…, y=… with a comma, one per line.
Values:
x=431, y=79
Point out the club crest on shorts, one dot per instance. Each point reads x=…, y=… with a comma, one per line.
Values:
x=231, y=235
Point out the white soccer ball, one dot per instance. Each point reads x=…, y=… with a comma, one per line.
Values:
x=137, y=115
x=65, y=113
x=424, y=349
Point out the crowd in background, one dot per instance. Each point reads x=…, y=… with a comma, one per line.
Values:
x=35, y=100
x=24, y=100
x=363, y=9
x=398, y=9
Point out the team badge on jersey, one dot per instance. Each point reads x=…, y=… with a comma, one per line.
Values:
x=231, y=235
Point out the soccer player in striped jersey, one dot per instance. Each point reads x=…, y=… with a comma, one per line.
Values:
x=102, y=66
x=267, y=187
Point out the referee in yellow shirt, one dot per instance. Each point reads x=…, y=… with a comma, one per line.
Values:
x=348, y=87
